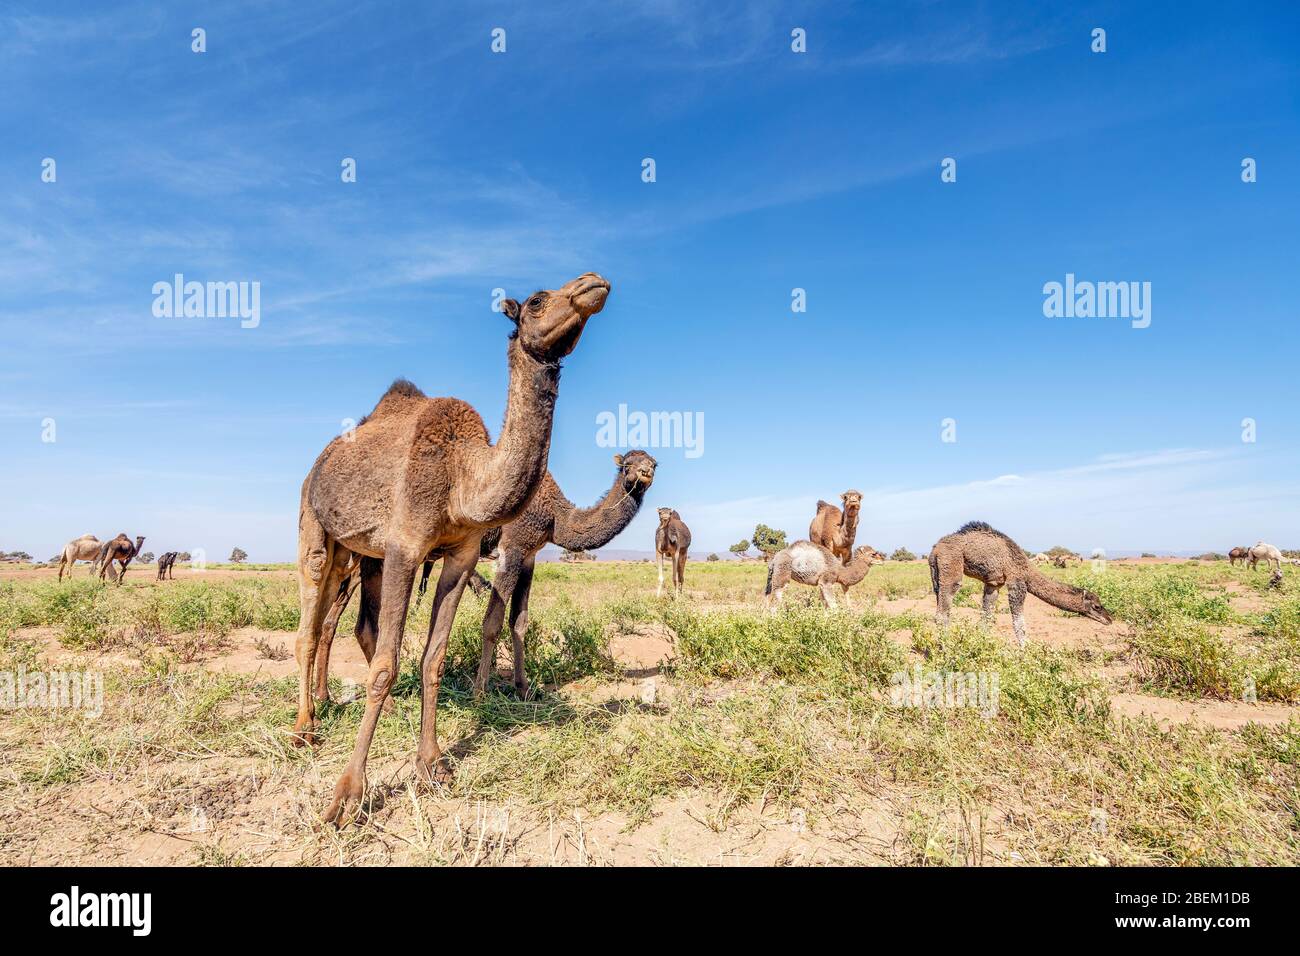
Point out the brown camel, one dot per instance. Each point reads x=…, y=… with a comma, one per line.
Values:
x=834, y=529
x=165, y=563
x=672, y=540
x=121, y=550
x=977, y=551
x=419, y=475
x=817, y=566
x=549, y=517
x=85, y=548
x=1238, y=554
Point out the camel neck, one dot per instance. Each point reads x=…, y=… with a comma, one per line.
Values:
x=581, y=529
x=1054, y=592
x=516, y=463
x=855, y=570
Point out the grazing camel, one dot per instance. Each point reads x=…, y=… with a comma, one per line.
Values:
x=835, y=530
x=121, y=550
x=549, y=517
x=165, y=566
x=816, y=566
x=672, y=540
x=977, y=551
x=1238, y=554
x=418, y=475
x=85, y=548
x=1270, y=555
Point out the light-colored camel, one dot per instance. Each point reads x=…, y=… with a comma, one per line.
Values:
x=835, y=529
x=1270, y=555
x=121, y=550
x=1238, y=554
x=672, y=541
x=549, y=517
x=419, y=475
x=979, y=552
x=85, y=548
x=818, y=567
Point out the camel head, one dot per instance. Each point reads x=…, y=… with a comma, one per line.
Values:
x=637, y=470
x=1092, y=608
x=550, y=321
x=665, y=516
x=852, y=501
x=139, y=540
x=869, y=552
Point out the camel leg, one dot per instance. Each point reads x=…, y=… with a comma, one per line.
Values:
x=660, y=592
x=948, y=582
x=320, y=572
x=395, y=600
x=503, y=589
x=478, y=584
x=990, y=605
x=1016, y=598
x=328, y=629
x=519, y=623
x=63, y=560
x=424, y=582
x=451, y=585
x=679, y=572
x=828, y=594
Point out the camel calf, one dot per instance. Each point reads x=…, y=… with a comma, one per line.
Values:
x=672, y=540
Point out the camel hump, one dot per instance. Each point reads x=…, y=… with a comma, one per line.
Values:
x=976, y=526
x=399, y=394
x=823, y=504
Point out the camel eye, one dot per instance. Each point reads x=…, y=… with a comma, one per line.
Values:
x=535, y=303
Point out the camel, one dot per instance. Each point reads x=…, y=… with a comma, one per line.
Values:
x=834, y=529
x=817, y=566
x=673, y=540
x=1238, y=554
x=419, y=475
x=1270, y=555
x=977, y=551
x=165, y=565
x=549, y=518
x=121, y=550
x=85, y=548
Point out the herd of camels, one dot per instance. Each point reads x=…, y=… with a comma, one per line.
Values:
x=418, y=480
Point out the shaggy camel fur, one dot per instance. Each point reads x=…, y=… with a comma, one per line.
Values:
x=816, y=566
x=834, y=529
x=121, y=550
x=420, y=475
x=672, y=540
x=1238, y=554
x=1270, y=555
x=85, y=548
x=165, y=563
x=549, y=517
x=979, y=552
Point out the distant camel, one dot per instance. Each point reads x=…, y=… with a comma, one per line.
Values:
x=1238, y=554
x=1270, y=555
x=672, y=540
x=979, y=552
x=835, y=530
x=121, y=550
x=165, y=566
x=85, y=548
x=818, y=567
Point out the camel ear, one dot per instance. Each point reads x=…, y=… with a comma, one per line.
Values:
x=510, y=308
x=618, y=460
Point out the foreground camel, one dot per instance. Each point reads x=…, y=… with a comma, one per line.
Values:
x=977, y=551
x=1270, y=555
x=834, y=529
x=419, y=475
x=165, y=566
x=121, y=550
x=85, y=548
x=672, y=540
x=1238, y=554
x=817, y=566
x=549, y=518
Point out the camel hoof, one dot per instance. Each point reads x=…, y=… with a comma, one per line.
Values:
x=348, y=794
x=522, y=689
x=304, y=734
x=434, y=773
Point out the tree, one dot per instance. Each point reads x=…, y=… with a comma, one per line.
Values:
x=1060, y=549
x=145, y=558
x=184, y=557
x=739, y=548
x=238, y=556
x=768, y=540
x=713, y=557
x=902, y=554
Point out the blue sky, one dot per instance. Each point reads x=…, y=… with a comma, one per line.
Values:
x=775, y=171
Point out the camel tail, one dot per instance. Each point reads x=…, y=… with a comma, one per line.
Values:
x=934, y=572
x=767, y=588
